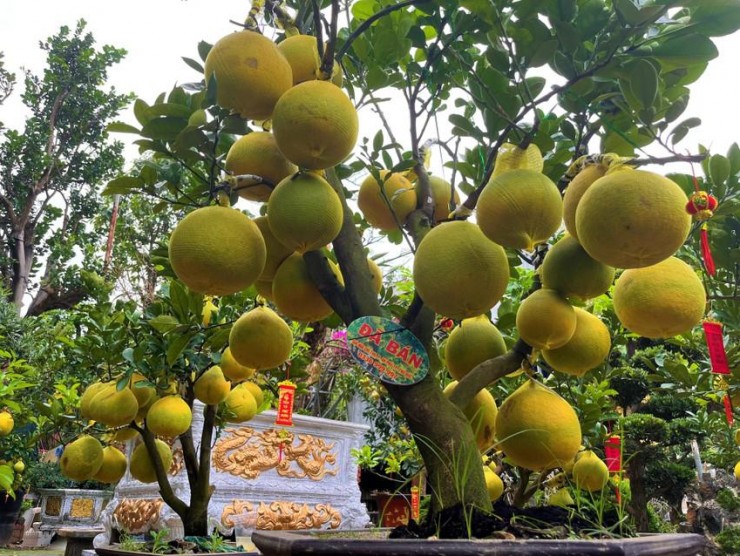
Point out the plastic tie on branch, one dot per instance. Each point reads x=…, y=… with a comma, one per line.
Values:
x=460, y=213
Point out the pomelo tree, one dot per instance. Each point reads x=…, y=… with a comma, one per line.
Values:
x=517, y=93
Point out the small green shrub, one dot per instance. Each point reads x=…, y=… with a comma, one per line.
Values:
x=729, y=540
x=727, y=500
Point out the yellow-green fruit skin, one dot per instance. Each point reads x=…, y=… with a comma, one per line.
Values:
x=232, y=369
x=82, y=458
x=212, y=387
x=114, y=407
x=519, y=209
x=737, y=471
x=661, y=300
x=87, y=397
x=373, y=200
x=257, y=154
x=473, y=341
x=537, y=429
x=458, y=272
x=295, y=294
x=587, y=348
x=441, y=194
x=561, y=497
x=315, y=125
x=169, y=417
x=256, y=391
x=632, y=219
x=260, y=339
x=217, y=251
x=545, y=320
x=494, y=484
x=590, y=473
x=6, y=423
x=114, y=466
x=569, y=270
x=302, y=54
x=481, y=412
x=240, y=404
x=737, y=435
x=276, y=251
x=251, y=74
x=304, y=212
x=144, y=394
x=575, y=190
x=141, y=465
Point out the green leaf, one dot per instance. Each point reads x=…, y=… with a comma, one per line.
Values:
x=364, y=9
x=164, y=323
x=176, y=347
x=733, y=155
x=168, y=109
x=148, y=174
x=165, y=128
x=644, y=82
x=685, y=50
x=120, y=127
x=627, y=12
x=140, y=111
x=193, y=64
x=719, y=169
x=123, y=185
x=203, y=49
x=716, y=18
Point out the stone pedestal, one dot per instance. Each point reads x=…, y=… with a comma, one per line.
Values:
x=299, y=477
x=70, y=506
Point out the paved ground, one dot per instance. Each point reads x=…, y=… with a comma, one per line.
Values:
x=56, y=548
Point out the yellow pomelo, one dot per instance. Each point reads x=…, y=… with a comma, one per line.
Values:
x=260, y=339
x=473, y=341
x=276, y=251
x=458, y=272
x=737, y=471
x=113, y=467
x=494, y=484
x=257, y=154
x=561, y=497
x=587, y=348
x=512, y=157
x=169, y=416
x=232, y=369
x=661, y=300
x=141, y=465
x=575, y=190
x=537, y=429
x=568, y=269
x=632, y=219
x=87, y=397
x=295, y=294
x=240, y=404
x=6, y=423
x=141, y=414
x=441, y=191
x=256, y=391
x=304, y=212
x=302, y=54
x=114, y=407
x=217, y=251
x=143, y=393
x=373, y=200
x=211, y=387
x=737, y=436
x=251, y=74
x=19, y=466
x=315, y=125
x=545, y=320
x=519, y=209
x=481, y=412
x=125, y=434
x=82, y=458
x=264, y=288
x=376, y=275
x=590, y=473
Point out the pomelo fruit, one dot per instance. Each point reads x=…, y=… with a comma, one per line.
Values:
x=256, y=391
x=481, y=412
x=251, y=74
x=373, y=200
x=6, y=423
x=545, y=320
x=561, y=497
x=458, y=272
x=513, y=157
x=113, y=467
x=232, y=369
x=589, y=472
x=82, y=458
x=632, y=219
x=141, y=465
x=125, y=434
x=376, y=275
x=473, y=341
x=587, y=348
x=737, y=471
x=276, y=251
x=211, y=387
x=519, y=209
x=304, y=212
x=537, y=429
x=302, y=54
x=575, y=190
x=737, y=437
x=143, y=393
x=295, y=294
x=217, y=251
x=571, y=271
x=87, y=396
x=441, y=192
x=260, y=339
x=315, y=125
x=114, y=407
x=661, y=300
x=169, y=416
x=257, y=154
x=240, y=404
x=494, y=484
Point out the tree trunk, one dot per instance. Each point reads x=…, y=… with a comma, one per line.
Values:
x=638, y=503
x=21, y=267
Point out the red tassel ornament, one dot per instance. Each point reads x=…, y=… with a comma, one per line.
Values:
x=701, y=207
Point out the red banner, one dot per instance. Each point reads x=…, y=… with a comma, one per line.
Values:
x=716, y=346
x=415, y=501
x=613, y=453
x=286, y=393
x=728, y=410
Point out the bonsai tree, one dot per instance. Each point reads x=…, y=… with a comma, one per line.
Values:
x=516, y=141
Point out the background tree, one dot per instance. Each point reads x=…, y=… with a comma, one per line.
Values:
x=50, y=171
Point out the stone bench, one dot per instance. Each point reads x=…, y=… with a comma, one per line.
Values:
x=78, y=538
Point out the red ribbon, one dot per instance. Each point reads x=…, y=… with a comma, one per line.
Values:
x=716, y=346
x=728, y=410
x=613, y=453
x=415, y=502
x=706, y=253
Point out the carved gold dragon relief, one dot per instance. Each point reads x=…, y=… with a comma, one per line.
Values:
x=137, y=514
x=281, y=515
x=246, y=453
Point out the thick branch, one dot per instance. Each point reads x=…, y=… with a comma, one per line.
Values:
x=165, y=489
x=327, y=62
x=203, y=487
x=328, y=285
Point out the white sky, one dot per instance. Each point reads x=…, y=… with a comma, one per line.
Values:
x=157, y=33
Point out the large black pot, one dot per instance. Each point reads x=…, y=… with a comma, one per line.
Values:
x=9, y=510
x=293, y=543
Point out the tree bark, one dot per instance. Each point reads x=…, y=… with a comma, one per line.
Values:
x=638, y=490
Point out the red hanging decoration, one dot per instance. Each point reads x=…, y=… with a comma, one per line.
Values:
x=701, y=207
x=728, y=409
x=286, y=394
x=716, y=346
x=613, y=453
x=415, y=503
